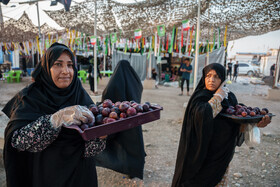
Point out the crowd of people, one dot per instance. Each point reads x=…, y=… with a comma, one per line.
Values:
x=40, y=149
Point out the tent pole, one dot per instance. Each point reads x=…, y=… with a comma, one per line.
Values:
x=95, y=46
x=276, y=73
x=196, y=46
x=104, y=56
x=1, y=15
x=38, y=16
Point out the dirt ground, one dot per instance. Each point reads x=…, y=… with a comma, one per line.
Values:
x=259, y=166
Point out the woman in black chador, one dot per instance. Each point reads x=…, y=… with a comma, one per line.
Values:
x=39, y=151
x=124, y=151
x=207, y=140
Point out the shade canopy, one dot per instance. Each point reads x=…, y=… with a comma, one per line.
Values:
x=242, y=17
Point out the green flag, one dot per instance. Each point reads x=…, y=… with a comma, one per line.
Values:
x=161, y=30
x=172, y=40
x=106, y=45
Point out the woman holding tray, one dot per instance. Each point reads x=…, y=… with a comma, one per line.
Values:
x=124, y=151
x=39, y=150
x=207, y=140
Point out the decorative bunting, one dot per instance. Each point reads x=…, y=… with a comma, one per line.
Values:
x=225, y=37
x=137, y=34
x=161, y=30
x=172, y=40
x=186, y=25
x=113, y=37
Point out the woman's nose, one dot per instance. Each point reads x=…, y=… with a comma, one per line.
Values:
x=65, y=69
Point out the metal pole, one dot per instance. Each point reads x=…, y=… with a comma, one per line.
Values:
x=1, y=16
x=276, y=73
x=38, y=16
x=150, y=60
x=95, y=55
x=196, y=46
x=104, y=56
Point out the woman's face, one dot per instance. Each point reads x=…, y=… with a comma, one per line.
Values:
x=62, y=71
x=212, y=80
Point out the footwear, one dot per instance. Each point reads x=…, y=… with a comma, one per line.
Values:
x=180, y=94
x=188, y=94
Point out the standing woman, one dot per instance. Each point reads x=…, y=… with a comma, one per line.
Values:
x=187, y=70
x=39, y=150
x=207, y=140
x=124, y=151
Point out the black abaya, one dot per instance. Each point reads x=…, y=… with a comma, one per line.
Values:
x=207, y=144
x=62, y=163
x=124, y=151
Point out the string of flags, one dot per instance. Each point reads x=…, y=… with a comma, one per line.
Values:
x=180, y=41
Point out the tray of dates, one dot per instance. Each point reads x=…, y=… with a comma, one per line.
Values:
x=245, y=114
x=115, y=117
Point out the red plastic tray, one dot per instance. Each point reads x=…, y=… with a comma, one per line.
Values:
x=119, y=125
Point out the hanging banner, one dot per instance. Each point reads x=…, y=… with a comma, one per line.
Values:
x=172, y=40
x=92, y=40
x=113, y=37
x=161, y=30
x=138, y=34
x=225, y=38
x=186, y=25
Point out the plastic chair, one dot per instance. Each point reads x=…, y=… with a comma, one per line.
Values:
x=18, y=74
x=82, y=74
x=14, y=75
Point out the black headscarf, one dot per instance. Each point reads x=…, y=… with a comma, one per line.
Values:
x=61, y=163
x=124, y=151
x=207, y=144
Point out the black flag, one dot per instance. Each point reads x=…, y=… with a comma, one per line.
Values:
x=66, y=4
x=5, y=2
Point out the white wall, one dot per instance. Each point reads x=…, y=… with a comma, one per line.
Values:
x=266, y=63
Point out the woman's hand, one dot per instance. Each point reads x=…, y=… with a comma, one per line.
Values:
x=72, y=115
x=264, y=122
x=222, y=92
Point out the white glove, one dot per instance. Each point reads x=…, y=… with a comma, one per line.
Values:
x=72, y=115
x=222, y=92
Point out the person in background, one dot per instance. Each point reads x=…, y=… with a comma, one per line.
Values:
x=179, y=77
x=125, y=151
x=229, y=69
x=154, y=76
x=272, y=70
x=208, y=140
x=174, y=72
x=39, y=149
x=187, y=70
x=235, y=71
x=167, y=75
x=91, y=74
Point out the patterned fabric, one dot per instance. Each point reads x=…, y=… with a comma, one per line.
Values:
x=39, y=134
x=216, y=106
x=224, y=181
x=94, y=147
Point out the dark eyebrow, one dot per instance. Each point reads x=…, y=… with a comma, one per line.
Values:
x=70, y=61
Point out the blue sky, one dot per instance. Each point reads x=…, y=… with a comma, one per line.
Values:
x=260, y=43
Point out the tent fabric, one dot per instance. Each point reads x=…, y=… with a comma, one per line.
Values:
x=139, y=62
x=242, y=17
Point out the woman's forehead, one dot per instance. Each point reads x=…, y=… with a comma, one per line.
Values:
x=211, y=71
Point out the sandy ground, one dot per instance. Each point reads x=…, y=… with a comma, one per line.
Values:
x=259, y=166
